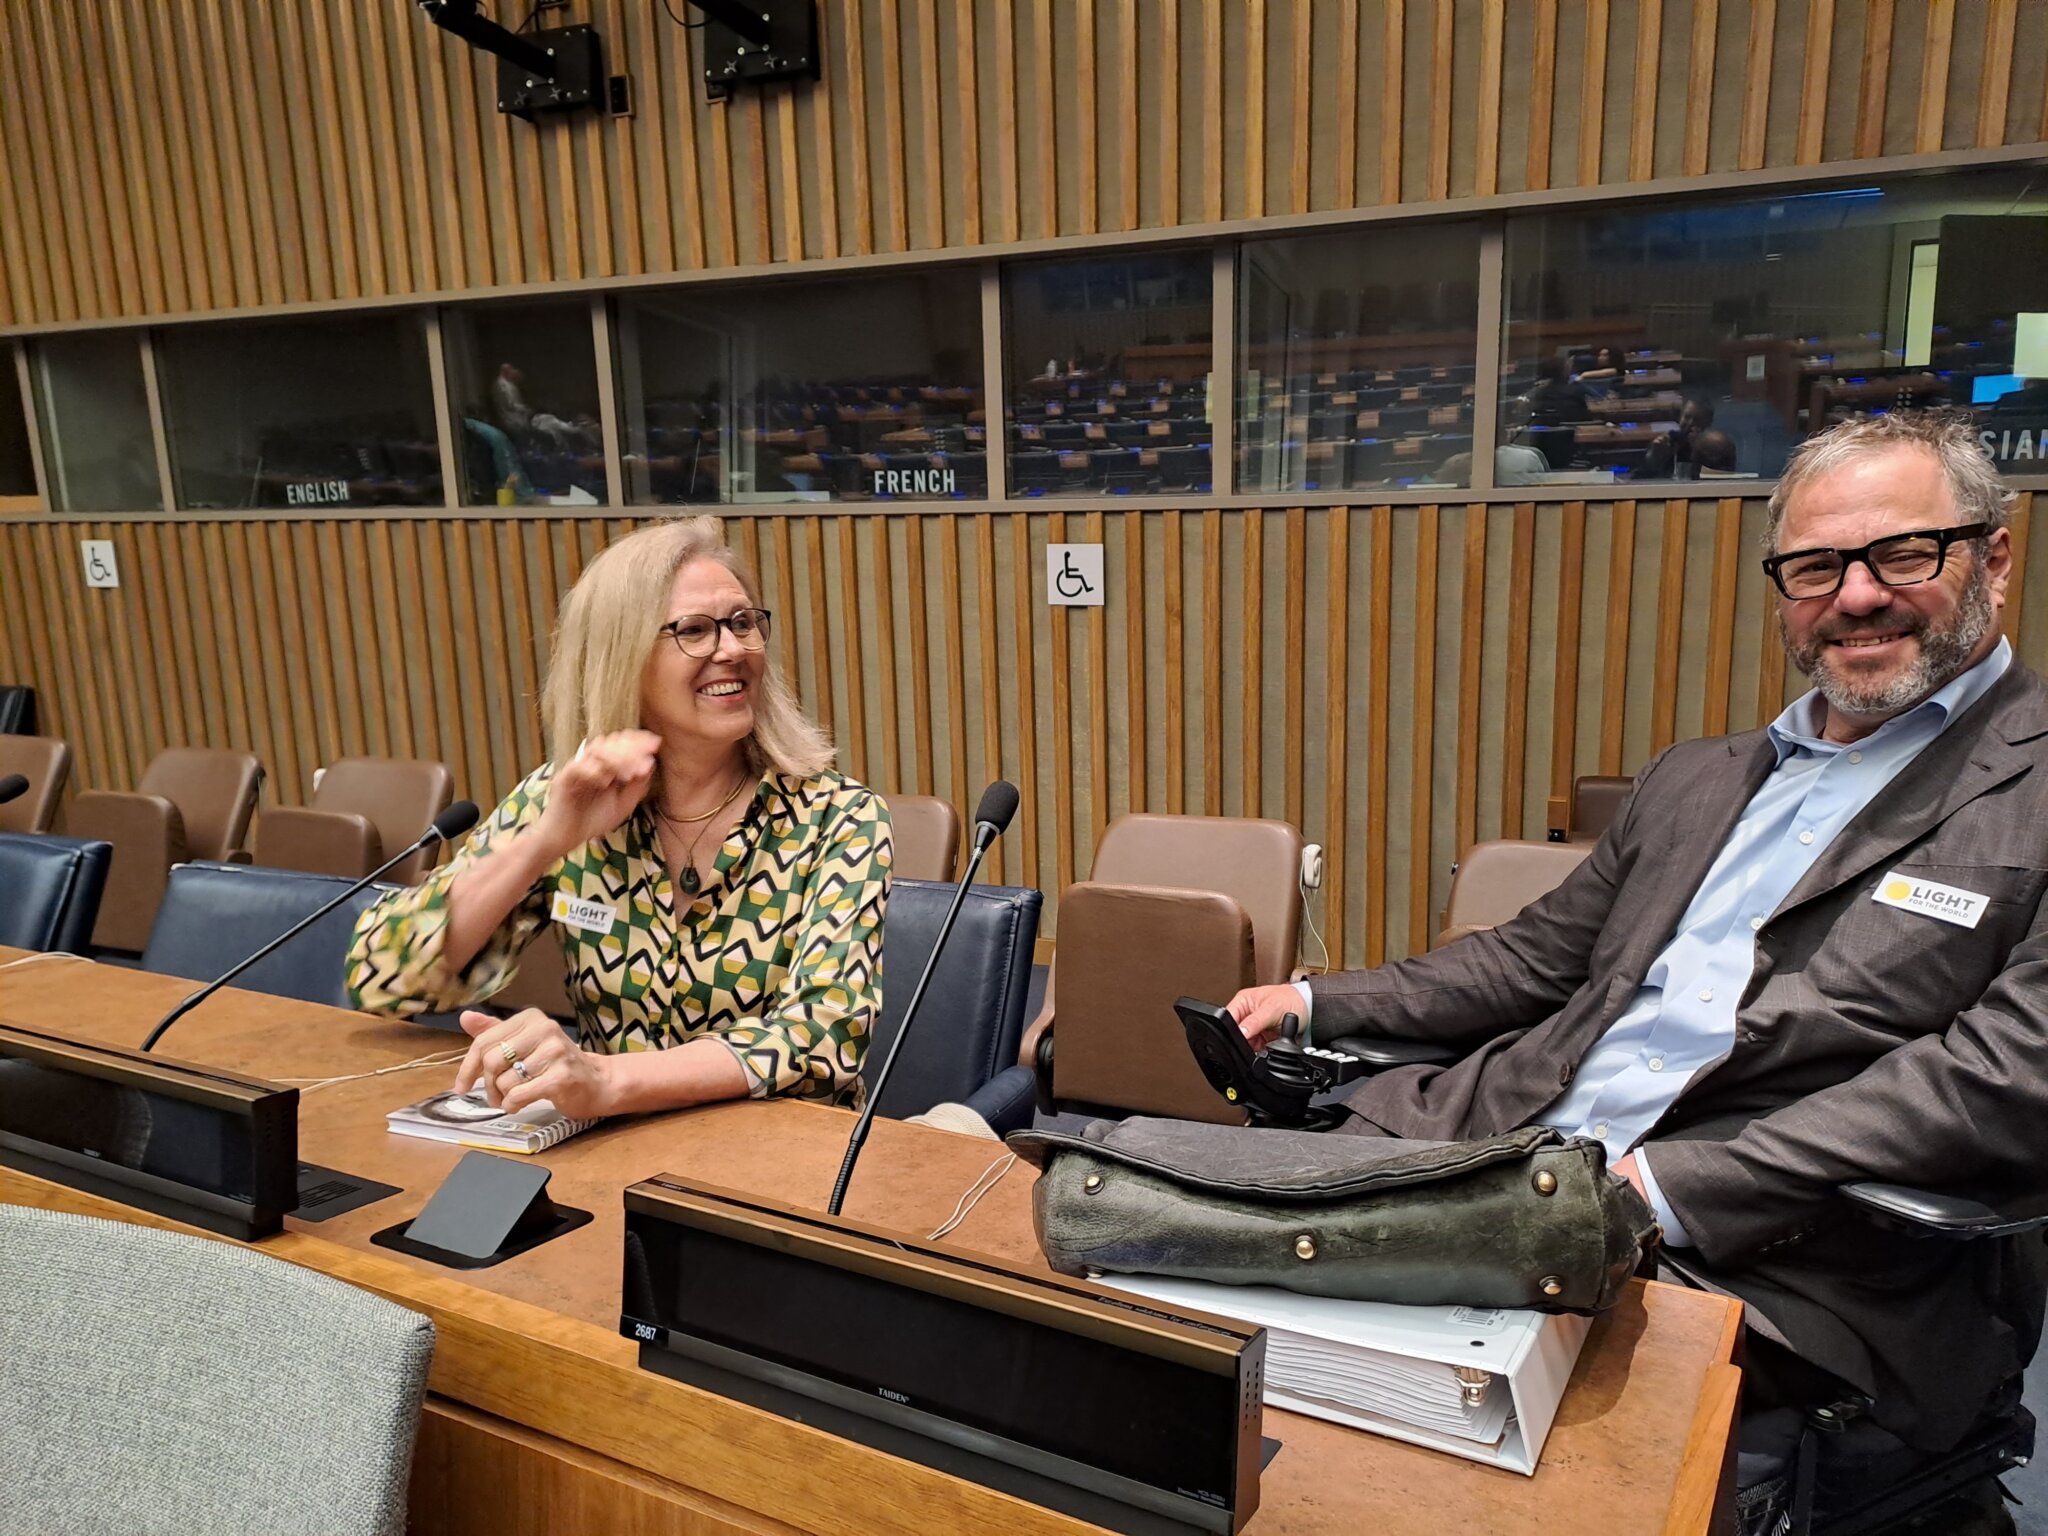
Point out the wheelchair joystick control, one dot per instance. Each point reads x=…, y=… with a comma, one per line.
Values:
x=1276, y=1087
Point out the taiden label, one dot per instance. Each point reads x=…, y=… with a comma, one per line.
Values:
x=1950, y=903
x=589, y=916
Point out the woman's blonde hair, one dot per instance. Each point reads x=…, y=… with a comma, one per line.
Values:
x=606, y=632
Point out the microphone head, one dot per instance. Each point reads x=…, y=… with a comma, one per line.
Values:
x=12, y=786
x=998, y=806
x=455, y=821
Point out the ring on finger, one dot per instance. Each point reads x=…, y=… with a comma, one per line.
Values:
x=511, y=1056
x=520, y=1067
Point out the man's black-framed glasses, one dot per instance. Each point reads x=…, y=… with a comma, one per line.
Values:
x=696, y=634
x=1899, y=560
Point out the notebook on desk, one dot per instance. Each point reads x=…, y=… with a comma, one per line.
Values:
x=468, y=1121
x=1481, y=1383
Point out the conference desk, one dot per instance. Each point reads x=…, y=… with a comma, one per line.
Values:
x=539, y=1418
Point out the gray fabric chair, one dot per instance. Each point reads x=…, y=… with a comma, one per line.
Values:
x=157, y=1382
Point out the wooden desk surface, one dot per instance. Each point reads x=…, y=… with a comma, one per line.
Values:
x=533, y=1343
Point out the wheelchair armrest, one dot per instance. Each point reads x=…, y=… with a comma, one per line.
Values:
x=1942, y=1215
x=1384, y=1054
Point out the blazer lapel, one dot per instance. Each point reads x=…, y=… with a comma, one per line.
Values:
x=1975, y=755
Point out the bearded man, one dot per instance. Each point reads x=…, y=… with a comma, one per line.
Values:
x=1799, y=957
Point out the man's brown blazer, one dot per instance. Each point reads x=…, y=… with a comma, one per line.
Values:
x=1870, y=1043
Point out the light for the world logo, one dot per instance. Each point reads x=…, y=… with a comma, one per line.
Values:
x=1898, y=890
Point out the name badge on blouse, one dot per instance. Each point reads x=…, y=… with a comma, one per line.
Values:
x=1949, y=903
x=588, y=916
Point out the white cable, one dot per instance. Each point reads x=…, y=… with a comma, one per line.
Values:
x=965, y=1205
x=309, y=1084
x=54, y=954
x=1309, y=917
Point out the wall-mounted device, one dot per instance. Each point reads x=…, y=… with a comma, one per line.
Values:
x=548, y=69
x=747, y=42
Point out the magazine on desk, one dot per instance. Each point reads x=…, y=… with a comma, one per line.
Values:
x=1481, y=1383
x=468, y=1121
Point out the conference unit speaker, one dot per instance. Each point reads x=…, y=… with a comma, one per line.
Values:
x=201, y=1146
x=750, y=42
x=1105, y=1407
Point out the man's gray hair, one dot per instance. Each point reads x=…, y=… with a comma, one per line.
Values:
x=1951, y=436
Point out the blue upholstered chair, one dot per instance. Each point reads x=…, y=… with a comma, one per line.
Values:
x=53, y=887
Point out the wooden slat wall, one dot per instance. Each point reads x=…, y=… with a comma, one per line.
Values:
x=160, y=158
x=1399, y=680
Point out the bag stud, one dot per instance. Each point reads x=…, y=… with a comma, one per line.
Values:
x=1092, y=1184
x=1550, y=1285
x=1546, y=1183
x=1305, y=1247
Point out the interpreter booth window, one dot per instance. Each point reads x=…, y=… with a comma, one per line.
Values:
x=857, y=389
x=17, y=464
x=301, y=415
x=1356, y=354
x=1705, y=340
x=522, y=381
x=1109, y=365
x=93, y=408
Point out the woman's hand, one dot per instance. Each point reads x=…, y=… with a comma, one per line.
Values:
x=596, y=790
x=577, y=1082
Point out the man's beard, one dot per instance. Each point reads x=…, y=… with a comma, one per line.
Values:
x=1945, y=650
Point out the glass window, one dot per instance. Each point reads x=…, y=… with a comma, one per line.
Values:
x=1355, y=355
x=856, y=389
x=94, y=412
x=17, y=466
x=1109, y=365
x=301, y=413
x=1705, y=340
x=523, y=382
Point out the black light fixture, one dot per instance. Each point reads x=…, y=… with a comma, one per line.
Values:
x=749, y=42
x=548, y=69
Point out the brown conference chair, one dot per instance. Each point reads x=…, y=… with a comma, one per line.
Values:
x=1496, y=880
x=1596, y=797
x=924, y=832
x=46, y=763
x=365, y=810
x=1253, y=864
x=542, y=980
x=192, y=803
x=1126, y=952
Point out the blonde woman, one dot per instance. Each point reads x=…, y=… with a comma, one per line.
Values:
x=718, y=889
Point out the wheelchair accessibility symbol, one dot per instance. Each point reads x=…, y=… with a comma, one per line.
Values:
x=1073, y=575
x=101, y=568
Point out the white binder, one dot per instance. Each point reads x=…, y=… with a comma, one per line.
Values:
x=1478, y=1383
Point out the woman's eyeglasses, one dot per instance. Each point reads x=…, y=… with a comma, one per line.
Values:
x=696, y=634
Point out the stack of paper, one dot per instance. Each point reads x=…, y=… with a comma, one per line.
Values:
x=1483, y=1384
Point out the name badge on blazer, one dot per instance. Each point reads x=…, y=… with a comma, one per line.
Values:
x=588, y=916
x=1950, y=903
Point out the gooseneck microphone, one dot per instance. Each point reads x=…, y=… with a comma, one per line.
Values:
x=991, y=817
x=12, y=786
x=451, y=823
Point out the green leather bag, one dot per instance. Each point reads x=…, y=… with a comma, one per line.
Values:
x=1529, y=1219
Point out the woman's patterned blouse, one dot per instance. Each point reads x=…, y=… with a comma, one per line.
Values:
x=779, y=955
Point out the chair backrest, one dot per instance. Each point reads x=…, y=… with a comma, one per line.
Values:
x=216, y=915
x=53, y=886
x=542, y=979
x=397, y=796
x=1496, y=880
x=46, y=763
x=924, y=834
x=158, y=1381
x=215, y=793
x=1255, y=863
x=1596, y=799
x=973, y=1012
x=1126, y=952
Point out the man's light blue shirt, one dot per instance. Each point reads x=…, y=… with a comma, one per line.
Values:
x=1681, y=1021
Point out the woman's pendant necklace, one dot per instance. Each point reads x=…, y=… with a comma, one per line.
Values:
x=690, y=880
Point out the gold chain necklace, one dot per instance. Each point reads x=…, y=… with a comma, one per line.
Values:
x=690, y=880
